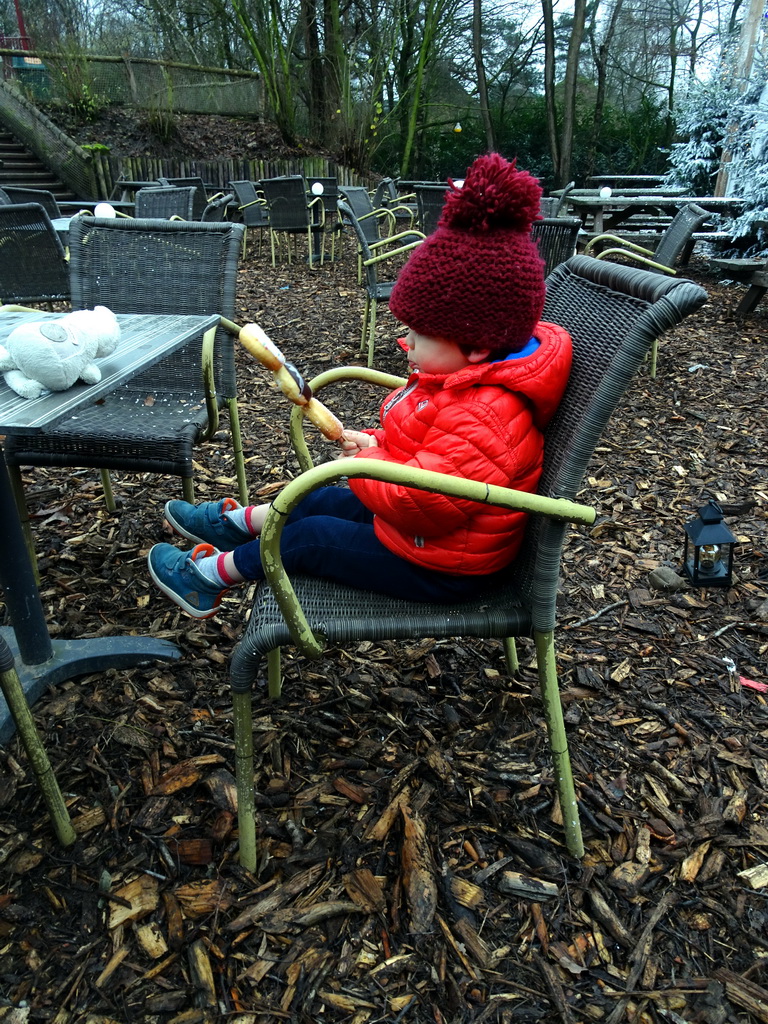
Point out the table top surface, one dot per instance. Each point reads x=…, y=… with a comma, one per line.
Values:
x=620, y=192
x=608, y=178
x=146, y=338
x=651, y=199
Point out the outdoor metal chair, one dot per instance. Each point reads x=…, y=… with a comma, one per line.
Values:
x=556, y=238
x=402, y=206
x=376, y=222
x=430, y=200
x=252, y=207
x=675, y=244
x=33, y=263
x=206, y=206
x=292, y=213
x=165, y=201
x=46, y=199
x=371, y=256
x=153, y=423
x=613, y=314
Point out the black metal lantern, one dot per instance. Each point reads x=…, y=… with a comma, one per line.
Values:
x=709, y=544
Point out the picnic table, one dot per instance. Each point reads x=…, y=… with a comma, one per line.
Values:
x=610, y=212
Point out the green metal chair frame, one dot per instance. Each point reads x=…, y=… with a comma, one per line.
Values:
x=371, y=255
x=613, y=314
x=149, y=266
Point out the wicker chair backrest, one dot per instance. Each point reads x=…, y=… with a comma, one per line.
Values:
x=33, y=265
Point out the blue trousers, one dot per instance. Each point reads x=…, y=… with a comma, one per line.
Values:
x=330, y=534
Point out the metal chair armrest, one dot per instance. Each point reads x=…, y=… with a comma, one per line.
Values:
x=637, y=258
x=623, y=242
x=310, y=645
x=335, y=375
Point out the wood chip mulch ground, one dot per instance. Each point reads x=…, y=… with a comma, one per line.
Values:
x=412, y=865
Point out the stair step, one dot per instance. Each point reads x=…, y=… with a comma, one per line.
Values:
x=22, y=169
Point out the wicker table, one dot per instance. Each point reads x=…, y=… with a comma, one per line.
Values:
x=41, y=661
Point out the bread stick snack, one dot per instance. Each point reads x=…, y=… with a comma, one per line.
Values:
x=255, y=341
x=289, y=380
x=325, y=421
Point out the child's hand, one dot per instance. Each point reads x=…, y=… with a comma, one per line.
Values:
x=353, y=442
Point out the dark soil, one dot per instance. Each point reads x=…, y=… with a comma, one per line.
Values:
x=130, y=133
x=664, y=921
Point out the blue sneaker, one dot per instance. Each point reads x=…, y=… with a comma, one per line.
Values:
x=177, y=576
x=207, y=523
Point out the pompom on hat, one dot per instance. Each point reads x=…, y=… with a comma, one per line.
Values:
x=478, y=279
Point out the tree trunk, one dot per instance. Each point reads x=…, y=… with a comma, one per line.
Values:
x=482, y=85
x=563, y=170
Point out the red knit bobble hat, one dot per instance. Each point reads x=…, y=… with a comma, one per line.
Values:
x=478, y=279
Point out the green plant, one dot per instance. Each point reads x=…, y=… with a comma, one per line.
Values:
x=72, y=82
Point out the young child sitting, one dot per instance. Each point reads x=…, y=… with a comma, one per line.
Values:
x=485, y=379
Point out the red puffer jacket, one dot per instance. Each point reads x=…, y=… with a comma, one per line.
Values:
x=484, y=421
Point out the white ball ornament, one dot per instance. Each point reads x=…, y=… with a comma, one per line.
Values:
x=317, y=188
x=104, y=210
x=606, y=192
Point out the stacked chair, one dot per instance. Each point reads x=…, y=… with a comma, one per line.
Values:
x=48, y=201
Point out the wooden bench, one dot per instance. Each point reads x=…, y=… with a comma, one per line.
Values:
x=753, y=272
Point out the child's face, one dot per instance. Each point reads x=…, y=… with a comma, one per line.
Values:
x=434, y=355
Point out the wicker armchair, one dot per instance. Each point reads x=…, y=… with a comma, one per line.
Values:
x=556, y=238
x=153, y=422
x=430, y=200
x=292, y=213
x=371, y=255
x=205, y=207
x=376, y=222
x=47, y=199
x=252, y=207
x=33, y=263
x=675, y=244
x=162, y=202
x=613, y=314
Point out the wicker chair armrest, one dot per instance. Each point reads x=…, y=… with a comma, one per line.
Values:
x=373, y=469
x=335, y=375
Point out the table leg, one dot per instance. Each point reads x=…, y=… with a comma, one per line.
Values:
x=42, y=662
